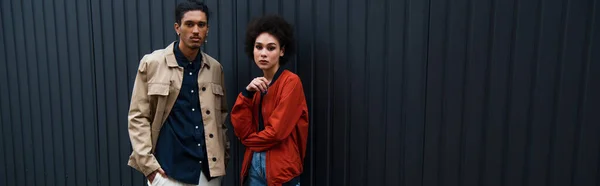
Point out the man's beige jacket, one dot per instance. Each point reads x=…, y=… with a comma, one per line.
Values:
x=155, y=91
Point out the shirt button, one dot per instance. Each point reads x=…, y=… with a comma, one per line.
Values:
x=214, y=159
x=198, y=144
x=199, y=161
x=190, y=73
x=196, y=127
x=210, y=135
x=192, y=91
x=208, y=112
x=193, y=109
x=203, y=88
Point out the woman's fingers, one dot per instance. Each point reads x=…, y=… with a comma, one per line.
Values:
x=258, y=84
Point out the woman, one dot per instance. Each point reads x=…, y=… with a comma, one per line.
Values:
x=270, y=116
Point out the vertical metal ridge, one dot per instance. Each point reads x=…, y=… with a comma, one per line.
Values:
x=44, y=133
x=598, y=166
x=127, y=71
x=403, y=109
x=485, y=119
x=512, y=49
x=264, y=7
x=70, y=117
x=59, y=90
x=50, y=95
x=218, y=48
x=366, y=96
x=9, y=116
x=556, y=92
x=425, y=83
x=70, y=177
x=347, y=111
x=102, y=138
x=462, y=139
x=94, y=89
x=150, y=34
x=29, y=95
x=385, y=75
x=137, y=28
x=330, y=118
x=442, y=124
x=114, y=51
x=75, y=162
x=583, y=88
x=248, y=19
x=531, y=109
x=3, y=143
x=296, y=31
x=162, y=18
x=280, y=8
x=79, y=39
x=509, y=96
x=18, y=99
x=2, y=117
x=126, y=46
x=235, y=147
x=312, y=91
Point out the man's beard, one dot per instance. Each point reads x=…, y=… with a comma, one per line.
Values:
x=193, y=46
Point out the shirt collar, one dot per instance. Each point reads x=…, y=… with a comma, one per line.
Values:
x=183, y=61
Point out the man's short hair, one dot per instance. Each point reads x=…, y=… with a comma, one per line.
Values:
x=190, y=5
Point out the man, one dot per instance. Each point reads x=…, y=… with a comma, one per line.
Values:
x=178, y=108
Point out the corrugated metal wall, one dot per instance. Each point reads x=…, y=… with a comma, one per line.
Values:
x=48, y=104
x=512, y=93
x=407, y=92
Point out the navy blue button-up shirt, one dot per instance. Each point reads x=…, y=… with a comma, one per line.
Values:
x=180, y=148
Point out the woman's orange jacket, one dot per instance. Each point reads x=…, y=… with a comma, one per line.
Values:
x=285, y=133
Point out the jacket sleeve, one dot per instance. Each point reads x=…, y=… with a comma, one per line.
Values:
x=283, y=120
x=139, y=119
x=241, y=115
x=224, y=112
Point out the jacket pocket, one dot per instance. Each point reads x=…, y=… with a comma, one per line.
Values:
x=218, y=94
x=217, y=89
x=158, y=89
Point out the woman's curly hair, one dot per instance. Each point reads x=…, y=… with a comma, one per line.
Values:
x=277, y=27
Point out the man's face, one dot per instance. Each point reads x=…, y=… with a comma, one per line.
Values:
x=193, y=29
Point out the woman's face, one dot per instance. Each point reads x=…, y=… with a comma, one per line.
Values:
x=267, y=51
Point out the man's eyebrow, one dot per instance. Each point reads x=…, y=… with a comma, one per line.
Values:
x=191, y=21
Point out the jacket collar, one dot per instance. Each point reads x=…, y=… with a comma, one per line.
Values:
x=172, y=59
x=277, y=74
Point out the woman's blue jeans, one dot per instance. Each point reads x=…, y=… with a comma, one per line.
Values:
x=257, y=174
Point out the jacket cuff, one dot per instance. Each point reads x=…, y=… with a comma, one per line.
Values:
x=247, y=93
x=150, y=168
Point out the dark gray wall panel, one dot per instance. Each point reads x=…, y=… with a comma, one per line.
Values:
x=47, y=57
x=8, y=165
x=587, y=157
